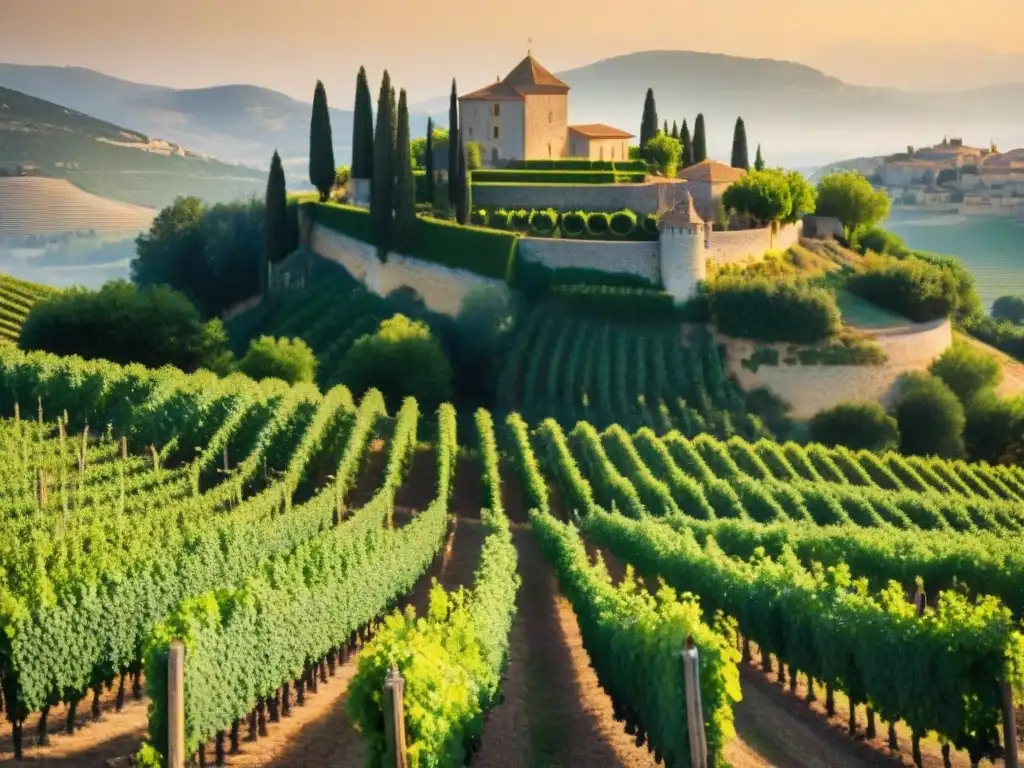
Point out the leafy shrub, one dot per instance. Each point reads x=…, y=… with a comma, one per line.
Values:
x=1001, y=334
x=995, y=429
x=535, y=281
x=402, y=358
x=849, y=197
x=967, y=370
x=290, y=360
x=664, y=152
x=499, y=219
x=771, y=310
x=123, y=324
x=912, y=287
x=622, y=223
x=650, y=224
x=880, y=241
x=485, y=252
x=930, y=417
x=858, y=426
x=574, y=224
x=967, y=304
x=1009, y=308
x=543, y=222
x=597, y=224
x=519, y=218
x=481, y=217
x=764, y=195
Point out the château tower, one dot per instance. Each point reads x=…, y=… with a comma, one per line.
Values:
x=681, y=246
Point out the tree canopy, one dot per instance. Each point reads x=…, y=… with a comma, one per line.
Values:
x=664, y=151
x=700, y=140
x=382, y=191
x=967, y=370
x=765, y=195
x=740, y=155
x=849, y=197
x=649, y=122
x=290, y=360
x=321, y=144
x=858, y=426
x=405, y=189
x=123, y=324
x=402, y=358
x=1009, y=308
x=362, y=129
x=930, y=417
x=276, y=237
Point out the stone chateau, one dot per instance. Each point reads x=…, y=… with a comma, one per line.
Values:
x=525, y=117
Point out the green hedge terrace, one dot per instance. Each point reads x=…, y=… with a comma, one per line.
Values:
x=579, y=164
x=492, y=176
x=485, y=252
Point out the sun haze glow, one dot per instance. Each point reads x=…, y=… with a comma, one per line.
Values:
x=193, y=43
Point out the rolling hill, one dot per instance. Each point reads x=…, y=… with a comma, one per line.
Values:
x=110, y=161
x=237, y=123
x=35, y=205
x=801, y=115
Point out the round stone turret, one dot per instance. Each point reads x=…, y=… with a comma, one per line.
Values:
x=681, y=250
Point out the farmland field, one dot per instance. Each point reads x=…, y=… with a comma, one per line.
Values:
x=292, y=522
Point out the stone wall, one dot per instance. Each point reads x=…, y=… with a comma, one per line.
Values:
x=813, y=388
x=441, y=288
x=740, y=245
x=546, y=120
x=632, y=258
x=641, y=198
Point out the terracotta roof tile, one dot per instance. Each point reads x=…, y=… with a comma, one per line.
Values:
x=529, y=73
x=600, y=131
x=494, y=92
x=712, y=172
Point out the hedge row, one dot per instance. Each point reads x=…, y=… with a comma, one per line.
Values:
x=485, y=252
x=494, y=176
x=626, y=305
x=580, y=225
x=535, y=281
x=773, y=310
x=579, y=164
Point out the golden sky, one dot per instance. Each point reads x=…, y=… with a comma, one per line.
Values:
x=288, y=45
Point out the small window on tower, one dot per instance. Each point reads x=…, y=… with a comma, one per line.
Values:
x=495, y=131
x=471, y=132
x=551, y=117
x=497, y=110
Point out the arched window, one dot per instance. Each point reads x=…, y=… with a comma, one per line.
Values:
x=549, y=150
x=494, y=156
x=551, y=117
x=495, y=131
x=497, y=110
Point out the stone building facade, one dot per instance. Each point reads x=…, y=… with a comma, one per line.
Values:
x=525, y=116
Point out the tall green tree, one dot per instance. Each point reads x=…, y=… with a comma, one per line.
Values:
x=675, y=130
x=382, y=193
x=321, y=146
x=428, y=160
x=276, y=238
x=740, y=155
x=849, y=197
x=700, y=141
x=405, y=188
x=759, y=160
x=649, y=125
x=462, y=201
x=687, y=142
x=453, y=156
x=664, y=128
x=393, y=110
x=362, y=129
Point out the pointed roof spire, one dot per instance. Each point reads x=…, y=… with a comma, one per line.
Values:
x=682, y=216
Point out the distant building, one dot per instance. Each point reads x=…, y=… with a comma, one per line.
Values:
x=525, y=117
x=706, y=181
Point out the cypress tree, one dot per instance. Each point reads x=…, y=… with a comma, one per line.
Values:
x=275, y=222
x=382, y=193
x=700, y=146
x=758, y=161
x=664, y=128
x=405, y=185
x=393, y=109
x=675, y=130
x=649, y=126
x=740, y=155
x=687, y=142
x=462, y=201
x=453, y=138
x=321, y=147
x=362, y=130
x=428, y=160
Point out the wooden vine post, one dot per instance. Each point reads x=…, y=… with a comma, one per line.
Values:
x=694, y=710
x=124, y=447
x=394, y=720
x=1011, y=758
x=176, y=705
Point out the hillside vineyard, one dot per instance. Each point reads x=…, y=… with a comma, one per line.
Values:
x=287, y=534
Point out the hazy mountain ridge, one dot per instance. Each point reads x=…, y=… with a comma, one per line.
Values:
x=109, y=160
